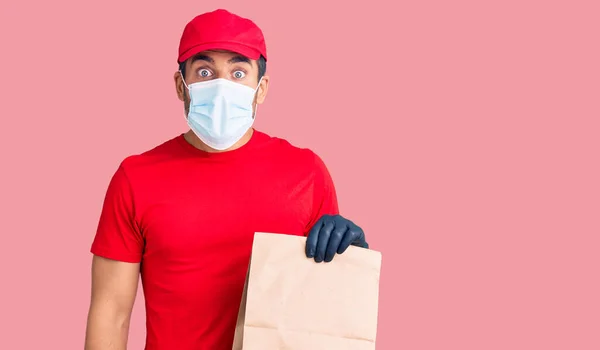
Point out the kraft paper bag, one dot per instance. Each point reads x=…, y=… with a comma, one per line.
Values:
x=290, y=302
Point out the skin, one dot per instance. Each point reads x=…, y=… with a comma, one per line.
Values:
x=217, y=64
x=114, y=287
x=115, y=283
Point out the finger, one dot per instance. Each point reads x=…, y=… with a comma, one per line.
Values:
x=313, y=237
x=350, y=237
x=335, y=240
x=323, y=240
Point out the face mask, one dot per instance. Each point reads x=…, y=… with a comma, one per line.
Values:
x=220, y=111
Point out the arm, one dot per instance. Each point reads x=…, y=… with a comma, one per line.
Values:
x=329, y=233
x=117, y=249
x=114, y=287
x=325, y=200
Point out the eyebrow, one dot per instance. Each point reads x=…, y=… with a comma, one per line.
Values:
x=234, y=59
x=202, y=58
x=239, y=59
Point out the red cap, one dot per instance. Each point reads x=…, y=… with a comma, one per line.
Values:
x=222, y=30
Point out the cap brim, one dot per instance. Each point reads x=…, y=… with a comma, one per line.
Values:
x=238, y=48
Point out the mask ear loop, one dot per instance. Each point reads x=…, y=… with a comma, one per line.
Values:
x=188, y=88
x=260, y=81
x=255, y=91
x=183, y=80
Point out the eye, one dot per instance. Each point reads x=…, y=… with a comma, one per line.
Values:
x=239, y=74
x=204, y=73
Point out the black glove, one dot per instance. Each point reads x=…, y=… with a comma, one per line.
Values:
x=333, y=234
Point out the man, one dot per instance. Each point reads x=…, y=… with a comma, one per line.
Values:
x=184, y=213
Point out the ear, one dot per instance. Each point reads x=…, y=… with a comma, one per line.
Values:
x=262, y=90
x=179, y=86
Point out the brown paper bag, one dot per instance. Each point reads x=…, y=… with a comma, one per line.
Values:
x=291, y=302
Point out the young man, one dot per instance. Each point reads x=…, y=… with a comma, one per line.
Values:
x=184, y=213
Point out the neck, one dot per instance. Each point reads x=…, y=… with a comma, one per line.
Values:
x=192, y=139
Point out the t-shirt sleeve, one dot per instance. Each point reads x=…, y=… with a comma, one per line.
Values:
x=118, y=236
x=325, y=197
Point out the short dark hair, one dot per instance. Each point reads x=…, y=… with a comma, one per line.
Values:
x=261, y=62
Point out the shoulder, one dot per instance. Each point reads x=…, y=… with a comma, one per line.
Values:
x=289, y=152
x=159, y=155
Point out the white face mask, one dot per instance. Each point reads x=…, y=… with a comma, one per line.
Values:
x=220, y=111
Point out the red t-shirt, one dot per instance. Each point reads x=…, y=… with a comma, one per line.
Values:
x=189, y=217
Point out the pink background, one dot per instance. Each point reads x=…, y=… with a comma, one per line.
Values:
x=462, y=135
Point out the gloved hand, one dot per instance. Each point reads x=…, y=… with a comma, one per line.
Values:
x=333, y=234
